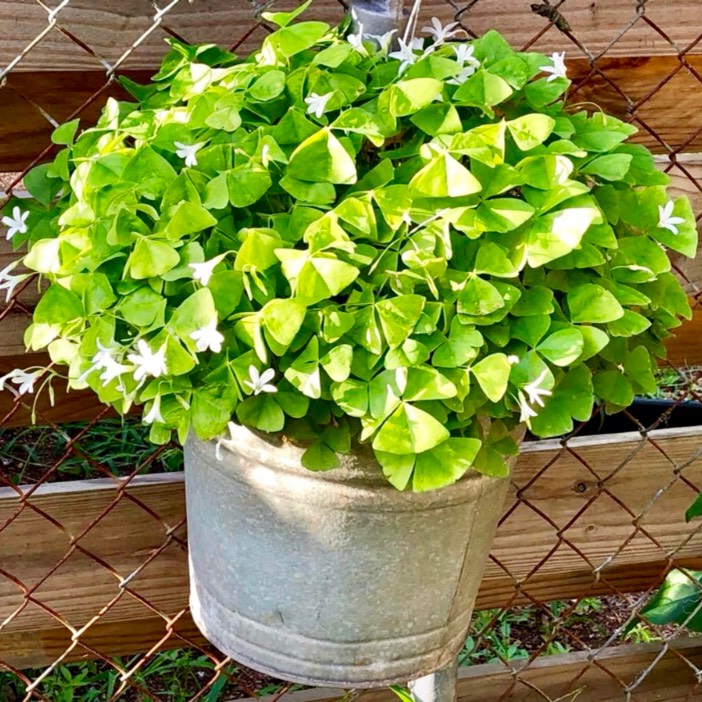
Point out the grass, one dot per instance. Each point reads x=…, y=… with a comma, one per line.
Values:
x=114, y=446
x=683, y=383
x=170, y=676
x=564, y=626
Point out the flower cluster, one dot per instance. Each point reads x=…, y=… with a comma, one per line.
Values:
x=404, y=241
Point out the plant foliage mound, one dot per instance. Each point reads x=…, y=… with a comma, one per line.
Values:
x=417, y=247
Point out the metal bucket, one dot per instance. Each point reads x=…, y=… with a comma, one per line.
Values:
x=332, y=578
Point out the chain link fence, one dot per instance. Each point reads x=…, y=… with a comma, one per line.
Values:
x=594, y=522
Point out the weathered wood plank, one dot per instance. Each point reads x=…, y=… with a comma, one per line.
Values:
x=108, y=30
x=659, y=94
x=27, y=99
x=668, y=120
x=559, y=514
x=127, y=534
x=565, y=678
x=685, y=349
x=73, y=406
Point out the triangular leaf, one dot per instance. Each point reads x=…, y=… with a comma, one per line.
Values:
x=444, y=176
x=409, y=430
x=322, y=159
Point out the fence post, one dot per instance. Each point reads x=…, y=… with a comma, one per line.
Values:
x=439, y=686
x=377, y=16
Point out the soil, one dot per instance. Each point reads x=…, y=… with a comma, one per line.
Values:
x=582, y=631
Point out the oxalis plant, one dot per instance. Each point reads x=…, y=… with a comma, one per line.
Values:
x=414, y=244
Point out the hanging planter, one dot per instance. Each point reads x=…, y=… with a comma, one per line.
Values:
x=348, y=276
x=332, y=578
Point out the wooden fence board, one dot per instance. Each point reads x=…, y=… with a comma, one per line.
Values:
x=659, y=92
x=562, y=678
x=672, y=112
x=125, y=538
x=110, y=28
x=27, y=99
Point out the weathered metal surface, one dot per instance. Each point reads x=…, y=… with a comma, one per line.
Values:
x=377, y=16
x=332, y=578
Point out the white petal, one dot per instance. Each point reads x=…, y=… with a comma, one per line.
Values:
x=267, y=376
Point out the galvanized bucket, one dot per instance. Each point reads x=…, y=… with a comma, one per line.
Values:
x=332, y=578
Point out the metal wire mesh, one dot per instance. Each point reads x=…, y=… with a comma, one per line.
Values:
x=637, y=59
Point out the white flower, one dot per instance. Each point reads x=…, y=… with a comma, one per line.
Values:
x=17, y=224
x=441, y=32
x=405, y=54
x=24, y=380
x=147, y=362
x=463, y=76
x=104, y=355
x=106, y=361
x=154, y=414
x=208, y=337
x=512, y=360
x=384, y=41
x=417, y=44
x=316, y=104
x=202, y=272
x=535, y=392
x=260, y=383
x=356, y=40
x=10, y=282
x=558, y=69
x=266, y=155
x=666, y=219
x=464, y=54
x=188, y=152
x=112, y=369
x=468, y=63
x=526, y=411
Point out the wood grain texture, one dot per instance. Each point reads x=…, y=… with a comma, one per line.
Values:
x=87, y=33
x=659, y=94
x=146, y=517
x=563, y=678
x=29, y=102
x=685, y=349
x=559, y=515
